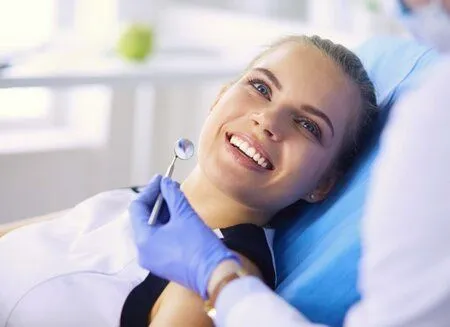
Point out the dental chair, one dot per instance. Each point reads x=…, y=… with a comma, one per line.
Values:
x=317, y=247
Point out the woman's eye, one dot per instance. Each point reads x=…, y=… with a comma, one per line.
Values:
x=261, y=87
x=310, y=126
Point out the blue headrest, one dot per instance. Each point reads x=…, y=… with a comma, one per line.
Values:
x=317, y=247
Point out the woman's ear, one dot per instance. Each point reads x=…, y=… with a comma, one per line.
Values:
x=323, y=189
x=219, y=96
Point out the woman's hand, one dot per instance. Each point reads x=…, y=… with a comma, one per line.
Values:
x=180, y=247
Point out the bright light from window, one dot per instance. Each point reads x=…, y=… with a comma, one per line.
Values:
x=89, y=13
x=24, y=103
x=25, y=23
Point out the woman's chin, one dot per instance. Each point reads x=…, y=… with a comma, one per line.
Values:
x=240, y=188
x=234, y=181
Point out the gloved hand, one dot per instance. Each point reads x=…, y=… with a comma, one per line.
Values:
x=180, y=247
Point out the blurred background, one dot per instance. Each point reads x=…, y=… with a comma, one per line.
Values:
x=94, y=93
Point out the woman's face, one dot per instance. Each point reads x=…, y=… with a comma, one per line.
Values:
x=272, y=135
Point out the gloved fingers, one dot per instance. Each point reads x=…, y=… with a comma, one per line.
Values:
x=139, y=214
x=151, y=191
x=141, y=208
x=172, y=195
x=169, y=181
x=164, y=215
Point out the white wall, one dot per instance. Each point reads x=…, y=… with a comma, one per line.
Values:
x=38, y=183
x=142, y=129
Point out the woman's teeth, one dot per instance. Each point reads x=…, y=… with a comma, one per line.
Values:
x=249, y=151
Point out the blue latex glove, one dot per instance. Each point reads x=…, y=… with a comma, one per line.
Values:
x=180, y=247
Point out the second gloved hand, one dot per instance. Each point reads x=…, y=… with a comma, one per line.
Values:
x=183, y=249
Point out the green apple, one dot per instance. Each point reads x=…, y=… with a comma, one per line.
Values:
x=136, y=42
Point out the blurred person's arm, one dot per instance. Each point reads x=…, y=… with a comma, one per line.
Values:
x=406, y=263
x=8, y=227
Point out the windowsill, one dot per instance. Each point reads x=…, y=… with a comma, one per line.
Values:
x=220, y=51
x=51, y=139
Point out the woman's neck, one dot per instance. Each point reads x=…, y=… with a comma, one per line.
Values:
x=217, y=209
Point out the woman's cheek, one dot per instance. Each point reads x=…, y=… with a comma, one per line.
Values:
x=231, y=110
x=307, y=165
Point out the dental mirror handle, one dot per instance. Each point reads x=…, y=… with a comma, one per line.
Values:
x=159, y=201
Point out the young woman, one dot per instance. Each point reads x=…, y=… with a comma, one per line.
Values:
x=284, y=131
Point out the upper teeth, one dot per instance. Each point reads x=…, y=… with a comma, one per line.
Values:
x=249, y=151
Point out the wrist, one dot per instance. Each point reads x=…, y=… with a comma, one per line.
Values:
x=223, y=269
x=226, y=272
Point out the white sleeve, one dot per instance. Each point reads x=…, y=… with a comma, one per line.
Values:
x=405, y=269
x=249, y=302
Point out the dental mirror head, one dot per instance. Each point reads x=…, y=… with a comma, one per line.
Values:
x=184, y=149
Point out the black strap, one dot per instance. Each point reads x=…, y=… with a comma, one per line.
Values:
x=140, y=301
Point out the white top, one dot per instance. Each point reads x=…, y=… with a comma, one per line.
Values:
x=90, y=247
x=77, y=269
x=405, y=269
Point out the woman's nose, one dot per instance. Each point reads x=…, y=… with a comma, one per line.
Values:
x=269, y=122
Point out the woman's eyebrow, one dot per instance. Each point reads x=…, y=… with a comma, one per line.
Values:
x=271, y=76
x=319, y=113
x=308, y=108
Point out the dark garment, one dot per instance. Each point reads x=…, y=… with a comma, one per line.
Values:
x=247, y=239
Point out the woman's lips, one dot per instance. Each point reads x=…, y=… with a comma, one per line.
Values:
x=246, y=152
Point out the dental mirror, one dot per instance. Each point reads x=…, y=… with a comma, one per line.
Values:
x=184, y=149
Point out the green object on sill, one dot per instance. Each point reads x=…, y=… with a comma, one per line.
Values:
x=136, y=42
x=373, y=6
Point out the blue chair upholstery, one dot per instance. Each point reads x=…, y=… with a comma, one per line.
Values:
x=317, y=247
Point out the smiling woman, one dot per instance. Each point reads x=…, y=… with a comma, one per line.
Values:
x=303, y=103
x=284, y=131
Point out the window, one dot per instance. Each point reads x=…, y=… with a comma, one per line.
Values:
x=25, y=107
x=40, y=31
x=25, y=26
